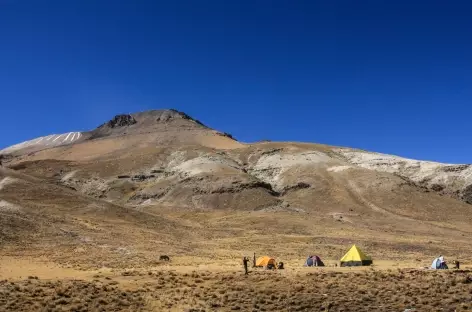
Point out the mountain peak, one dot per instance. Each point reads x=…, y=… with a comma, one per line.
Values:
x=148, y=118
x=150, y=121
x=146, y=121
x=164, y=115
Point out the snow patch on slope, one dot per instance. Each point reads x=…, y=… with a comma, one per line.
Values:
x=45, y=141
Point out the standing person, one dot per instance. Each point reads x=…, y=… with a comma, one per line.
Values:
x=245, y=261
x=254, y=261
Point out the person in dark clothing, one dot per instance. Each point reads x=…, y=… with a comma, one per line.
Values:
x=254, y=261
x=245, y=261
x=280, y=266
x=457, y=264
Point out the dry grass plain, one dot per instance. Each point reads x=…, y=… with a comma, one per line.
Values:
x=218, y=286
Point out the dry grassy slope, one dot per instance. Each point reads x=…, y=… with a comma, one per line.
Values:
x=190, y=189
x=39, y=217
x=449, y=179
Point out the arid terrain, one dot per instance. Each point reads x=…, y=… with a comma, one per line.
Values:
x=221, y=287
x=84, y=217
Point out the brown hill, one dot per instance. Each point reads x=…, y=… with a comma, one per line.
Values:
x=161, y=182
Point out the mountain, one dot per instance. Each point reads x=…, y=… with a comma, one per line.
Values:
x=157, y=121
x=217, y=196
x=184, y=148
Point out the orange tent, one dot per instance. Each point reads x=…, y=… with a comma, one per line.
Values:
x=264, y=261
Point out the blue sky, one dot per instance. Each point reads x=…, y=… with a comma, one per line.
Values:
x=387, y=76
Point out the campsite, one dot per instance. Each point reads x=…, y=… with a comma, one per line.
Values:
x=174, y=283
x=222, y=286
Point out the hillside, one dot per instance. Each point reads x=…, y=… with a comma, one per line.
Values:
x=177, y=186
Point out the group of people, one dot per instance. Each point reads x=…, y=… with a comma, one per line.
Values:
x=440, y=263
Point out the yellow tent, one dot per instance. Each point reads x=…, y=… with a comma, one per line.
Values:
x=355, y=257
x=264, y=261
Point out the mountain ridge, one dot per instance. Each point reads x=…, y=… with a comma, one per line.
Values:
x=169, y=127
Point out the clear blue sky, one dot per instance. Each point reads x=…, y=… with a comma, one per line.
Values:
x=387, y=76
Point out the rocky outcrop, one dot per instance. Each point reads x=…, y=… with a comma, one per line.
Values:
x=4, y=159
x=238, y=186
x=467, y=194
x=142, y=177
x=173, y=114
x=226, y=135
x=295, y=187
x=120, y=121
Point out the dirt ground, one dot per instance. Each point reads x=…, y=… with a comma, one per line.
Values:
x=180, y=285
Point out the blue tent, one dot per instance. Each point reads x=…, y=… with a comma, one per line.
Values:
x=438, y=265
x=314, y=261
